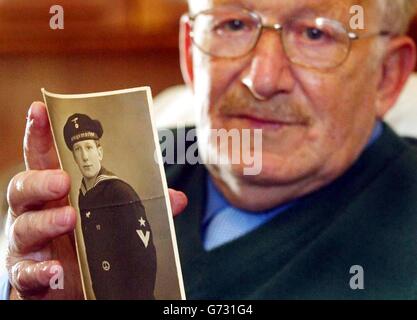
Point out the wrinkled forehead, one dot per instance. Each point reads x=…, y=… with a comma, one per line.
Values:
x=338, y=9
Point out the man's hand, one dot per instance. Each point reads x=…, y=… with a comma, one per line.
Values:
x=41, y=223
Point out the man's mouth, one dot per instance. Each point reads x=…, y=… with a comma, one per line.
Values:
x=257, y=121
x=87, y=166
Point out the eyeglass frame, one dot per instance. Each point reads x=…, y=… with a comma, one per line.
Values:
x=352, y=36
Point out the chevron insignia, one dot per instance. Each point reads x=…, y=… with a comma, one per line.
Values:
x=144, y=237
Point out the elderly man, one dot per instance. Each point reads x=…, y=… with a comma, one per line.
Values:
x=333, y=212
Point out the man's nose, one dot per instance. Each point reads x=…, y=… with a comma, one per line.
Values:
x=84, y=155
x=269, y=72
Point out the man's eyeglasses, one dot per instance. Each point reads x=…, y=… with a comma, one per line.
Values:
x=232, y=32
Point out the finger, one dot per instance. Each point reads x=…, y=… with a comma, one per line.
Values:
x=31, y=189
x=33, y=230
x=178, y=201
x=38, y=144
x=30, y=278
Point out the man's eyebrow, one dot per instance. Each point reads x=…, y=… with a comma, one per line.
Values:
x=327, y=9
x=330, y=11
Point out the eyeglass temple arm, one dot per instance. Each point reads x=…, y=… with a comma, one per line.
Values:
x=355, y=36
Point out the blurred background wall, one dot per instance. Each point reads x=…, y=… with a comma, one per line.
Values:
x=104, y=45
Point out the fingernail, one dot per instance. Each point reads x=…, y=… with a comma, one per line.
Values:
x=63, y=218
x=56, y=183
x=34, y=115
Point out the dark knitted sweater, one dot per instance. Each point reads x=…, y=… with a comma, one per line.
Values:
x=367, y=217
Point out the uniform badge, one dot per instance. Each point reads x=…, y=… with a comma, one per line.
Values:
x=76, y=125
x=144, y=237
x=106, y=265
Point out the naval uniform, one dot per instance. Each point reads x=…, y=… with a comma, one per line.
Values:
x=118, y=240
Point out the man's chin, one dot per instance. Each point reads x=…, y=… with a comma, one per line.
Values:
x=89, y=175
x=268, y=174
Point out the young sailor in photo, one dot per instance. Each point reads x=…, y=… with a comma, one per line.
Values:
x=117, y=235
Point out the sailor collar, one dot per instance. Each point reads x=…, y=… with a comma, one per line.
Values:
x=103, y=175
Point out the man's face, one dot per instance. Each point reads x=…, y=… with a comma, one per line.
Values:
x=88, y=157
x=315, y=122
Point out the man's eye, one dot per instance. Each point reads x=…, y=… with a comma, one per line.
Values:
x=314, y=34
x=231, y=25
x=235, y=25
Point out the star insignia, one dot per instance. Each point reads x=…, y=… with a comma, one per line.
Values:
x=142, y=222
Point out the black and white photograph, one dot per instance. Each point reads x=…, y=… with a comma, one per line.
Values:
x=124, y=235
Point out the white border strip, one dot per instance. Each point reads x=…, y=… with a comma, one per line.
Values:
x=93, y=94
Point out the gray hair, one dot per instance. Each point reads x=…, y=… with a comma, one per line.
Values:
x=396, y=15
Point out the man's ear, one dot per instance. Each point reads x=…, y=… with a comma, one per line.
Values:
x=100, y=152
x=186, y=46
x=399, y=62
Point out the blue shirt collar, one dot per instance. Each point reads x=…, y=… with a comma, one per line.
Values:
x=216, y=201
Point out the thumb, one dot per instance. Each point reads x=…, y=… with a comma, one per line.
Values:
x=38, y=145
x=178, y=201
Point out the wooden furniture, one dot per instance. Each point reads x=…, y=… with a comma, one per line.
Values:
x=105, y=45
x=89, y=25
